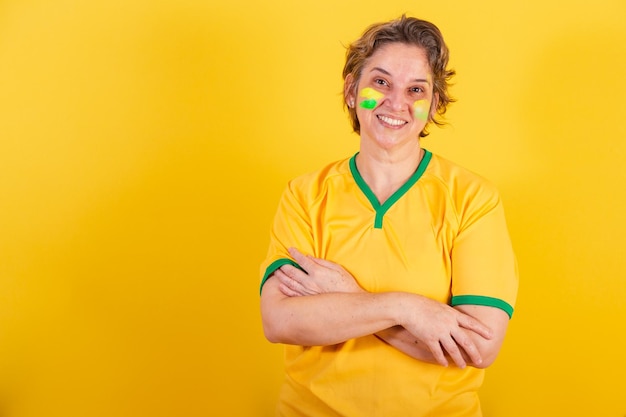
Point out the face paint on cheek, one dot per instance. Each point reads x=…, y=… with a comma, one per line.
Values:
x=370, y=97
x=421, y=109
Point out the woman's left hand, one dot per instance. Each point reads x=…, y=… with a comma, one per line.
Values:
x=319, y=276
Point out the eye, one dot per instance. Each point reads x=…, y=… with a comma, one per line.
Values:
x=417, y=90
x=380, y=81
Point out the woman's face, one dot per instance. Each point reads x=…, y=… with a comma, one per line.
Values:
x=394, y=96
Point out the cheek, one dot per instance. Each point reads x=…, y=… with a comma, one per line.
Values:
x=421, y=109
x=369, y=98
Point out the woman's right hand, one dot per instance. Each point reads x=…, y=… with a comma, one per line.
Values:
x=317, y=276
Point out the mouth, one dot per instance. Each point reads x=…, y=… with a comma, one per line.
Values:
x=389, y=121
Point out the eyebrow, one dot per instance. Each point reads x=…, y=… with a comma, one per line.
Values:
x=421, y=80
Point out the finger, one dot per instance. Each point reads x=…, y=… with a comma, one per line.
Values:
x=453, y=350
x=470, y=323
x=469, y=347
x=287, y=291
x=435, y=349
x=304, y=261
x=293, y=272
x=286, y=280
x=294, y=289
x=281, y=276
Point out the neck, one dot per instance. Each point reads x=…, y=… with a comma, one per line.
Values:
x=386, y=171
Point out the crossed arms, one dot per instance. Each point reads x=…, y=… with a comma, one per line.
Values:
x=324, y=305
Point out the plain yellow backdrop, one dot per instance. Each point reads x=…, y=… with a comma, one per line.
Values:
x=144, y=146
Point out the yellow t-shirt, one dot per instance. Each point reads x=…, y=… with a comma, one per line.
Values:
x=442, y=235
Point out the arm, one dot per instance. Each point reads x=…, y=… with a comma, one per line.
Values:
x=405, y=342
x=322, y=319
x=325, y=317
x=498, y=321
x=494, y=318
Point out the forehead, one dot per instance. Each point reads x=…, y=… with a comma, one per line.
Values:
x=399, y=57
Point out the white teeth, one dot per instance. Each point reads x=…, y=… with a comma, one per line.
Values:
x=393, y=122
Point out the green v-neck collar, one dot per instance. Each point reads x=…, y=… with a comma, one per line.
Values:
x=381, y=209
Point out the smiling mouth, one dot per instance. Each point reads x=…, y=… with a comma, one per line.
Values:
x=390, y=121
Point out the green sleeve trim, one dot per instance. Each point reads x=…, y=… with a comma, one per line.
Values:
x=480, y=300
x=274, y=266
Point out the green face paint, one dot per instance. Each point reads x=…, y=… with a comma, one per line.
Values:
x=371, y=98
x=421, y=109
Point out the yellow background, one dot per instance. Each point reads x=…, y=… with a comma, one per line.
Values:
x=144, y=145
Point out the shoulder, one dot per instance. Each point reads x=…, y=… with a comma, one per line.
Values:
x=311, y=184
x=468, y=191
x=458, y=179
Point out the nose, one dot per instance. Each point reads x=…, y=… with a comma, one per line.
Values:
x=397, y=100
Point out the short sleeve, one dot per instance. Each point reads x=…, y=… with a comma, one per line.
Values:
x=484, y=268
x=291, y=228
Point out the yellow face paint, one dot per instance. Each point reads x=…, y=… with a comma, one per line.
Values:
x=371, y=98
x=421, y=108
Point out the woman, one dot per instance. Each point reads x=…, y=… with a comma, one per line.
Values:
x=390, y=272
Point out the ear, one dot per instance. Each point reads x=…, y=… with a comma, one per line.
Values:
x=348, y=90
